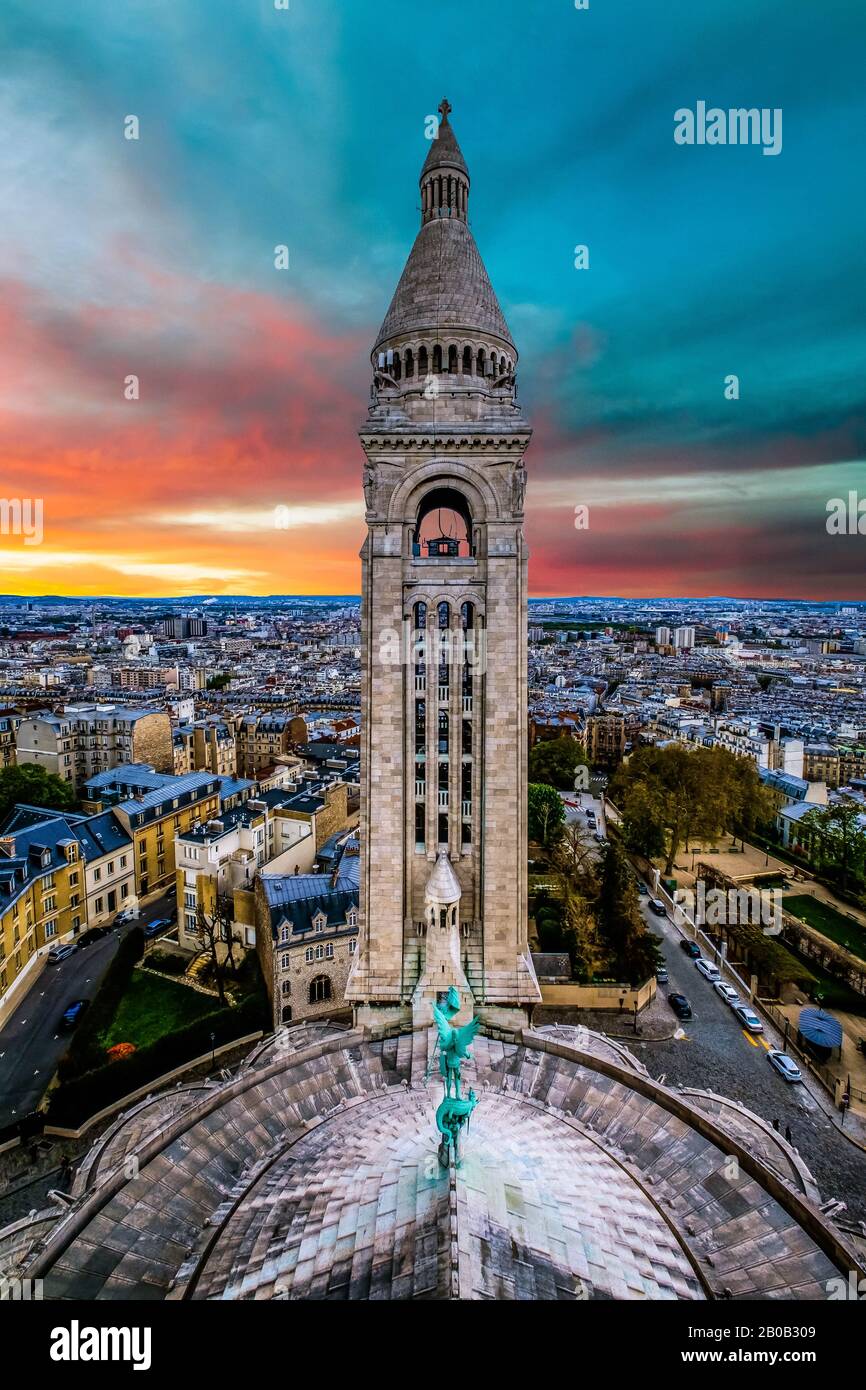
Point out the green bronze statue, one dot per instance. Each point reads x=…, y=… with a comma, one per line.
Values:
x=453, y=1043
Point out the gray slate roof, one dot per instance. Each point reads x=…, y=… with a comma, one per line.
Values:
x=444, y=288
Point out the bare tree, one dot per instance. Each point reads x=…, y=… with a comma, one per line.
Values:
x=214, y=929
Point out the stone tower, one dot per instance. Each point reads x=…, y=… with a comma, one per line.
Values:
x=444, y=629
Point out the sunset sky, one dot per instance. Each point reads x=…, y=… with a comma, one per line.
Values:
x=260, y=126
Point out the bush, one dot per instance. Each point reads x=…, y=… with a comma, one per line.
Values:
x=167, y=962
x=84, y=1095
x=85, y=1050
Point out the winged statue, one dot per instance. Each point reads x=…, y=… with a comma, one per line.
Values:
x=454, y=1043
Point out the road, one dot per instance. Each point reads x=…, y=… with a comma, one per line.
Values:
x=30, y=1045
x=716, y=1054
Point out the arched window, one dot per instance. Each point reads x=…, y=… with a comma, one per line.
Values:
x=480, y=362
x=410, y=364
x=285, y=960
x=396, y=372
x=467, y=361
x=443, y=731
x=444, y=526
x=286, y=988
x=287, y=1013
x=452, y=359
x=320, y=989
x=422, y=361
x=467, y=616
x=320, y=953
x=437, y=358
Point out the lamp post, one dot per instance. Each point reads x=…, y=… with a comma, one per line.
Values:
x=212, y=1051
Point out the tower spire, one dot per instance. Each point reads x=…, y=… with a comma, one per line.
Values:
x=445, y=175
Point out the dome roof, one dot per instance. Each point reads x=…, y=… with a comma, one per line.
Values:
x=307, y=1174
x=444, y=287
x=442, y=885
x=444, y=151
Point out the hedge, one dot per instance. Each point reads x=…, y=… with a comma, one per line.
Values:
x=85, y=1051
x=81, y=1096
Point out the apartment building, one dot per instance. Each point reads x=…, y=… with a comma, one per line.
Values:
x=221, y=858
x=154, y=808
x=106, y=852
x=41, y=902
x=86, y=740
x=605, y=739
x=9, y=721
x=263, y=738
x=306, y=938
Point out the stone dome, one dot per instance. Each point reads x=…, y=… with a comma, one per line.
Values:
x=312, y=1173
x=444, y=290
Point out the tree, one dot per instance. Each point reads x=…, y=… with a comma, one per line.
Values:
x=840, y=830
x=214, y=930
x=546, y=814
x=575, y=851
x=620, y=923
x=34, y=786
x=689, y=792
x=643, y=824
x=554, y=762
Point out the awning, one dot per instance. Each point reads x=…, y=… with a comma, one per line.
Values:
x=820, y=1029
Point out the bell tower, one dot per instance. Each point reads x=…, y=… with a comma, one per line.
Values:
x=443, y=896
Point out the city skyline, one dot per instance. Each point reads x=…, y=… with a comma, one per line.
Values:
x=158, y=260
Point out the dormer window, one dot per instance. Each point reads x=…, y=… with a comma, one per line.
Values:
x=351, y=918
x=319, y=921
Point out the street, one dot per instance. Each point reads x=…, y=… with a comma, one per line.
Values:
x=716, y=1054
x=30, y=1045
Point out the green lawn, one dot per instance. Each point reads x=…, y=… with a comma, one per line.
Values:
x=828, y=922
x=152, y=1007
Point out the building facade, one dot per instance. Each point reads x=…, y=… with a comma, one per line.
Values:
x=88, y=739
x=444, y=635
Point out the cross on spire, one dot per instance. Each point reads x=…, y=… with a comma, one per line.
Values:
x=445, y=106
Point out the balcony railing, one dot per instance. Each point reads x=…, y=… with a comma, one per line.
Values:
x=443, y=801
x=444, y=694
x=466, y=809
x=467, y=704
x=420, y=789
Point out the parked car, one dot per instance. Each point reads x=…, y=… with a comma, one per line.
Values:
x=160, y=924
x=727, y=992
x=749, y=1019
x=662, y=975
x=658, y=907
x=642, y=889
x=127, y=915
x=88, y=937
x=72, y=1015
x=599, y=838
x=680, y=1005
x=785, y=1066
x=691, y=948
x=59, y=953
x=707, y=969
